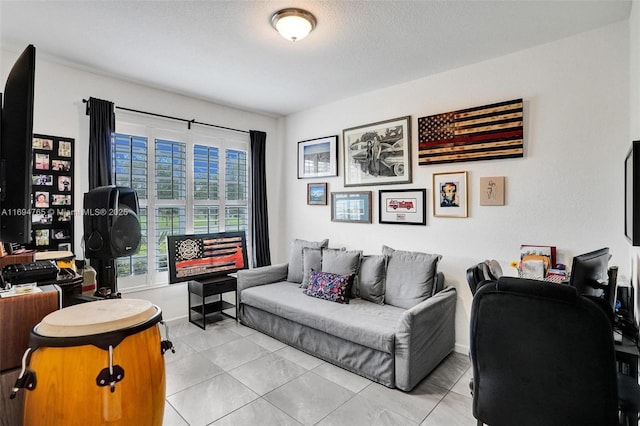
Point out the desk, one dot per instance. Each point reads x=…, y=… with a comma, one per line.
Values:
x=627, y=355
x=203, y=289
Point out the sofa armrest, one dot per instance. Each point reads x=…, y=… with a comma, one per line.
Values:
x=425, y=335
x=263, y=275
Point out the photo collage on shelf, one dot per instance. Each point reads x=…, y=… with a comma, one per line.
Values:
x=52, y=193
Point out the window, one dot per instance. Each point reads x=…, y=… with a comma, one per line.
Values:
x=187, y=182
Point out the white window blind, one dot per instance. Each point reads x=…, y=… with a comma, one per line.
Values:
x=187, y=182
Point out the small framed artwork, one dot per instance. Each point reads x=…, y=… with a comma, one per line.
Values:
x=317, y=194
x=64, y=183
x=403, y=206
x=318, y=157
x=351, y=207
x=64, y=246
x=41, y=199
x=64, y=149
x=378, y=153
x=492, y=191
x=450, y=195
x=42, y=161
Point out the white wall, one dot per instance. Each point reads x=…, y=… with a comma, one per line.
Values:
x=59, y=111
x=567, y=191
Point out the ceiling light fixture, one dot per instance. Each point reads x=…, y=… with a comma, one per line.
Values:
x=293, y=24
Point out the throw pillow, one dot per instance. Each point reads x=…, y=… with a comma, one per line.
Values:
x=343, y=262
x=311, y=260
x=410, y=277
x=294, y=274
x=373, y=270
x=327, y=286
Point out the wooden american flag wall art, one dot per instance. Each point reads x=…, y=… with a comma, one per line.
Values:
x=482, y=133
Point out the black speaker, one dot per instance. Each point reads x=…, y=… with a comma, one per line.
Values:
x=111, y=224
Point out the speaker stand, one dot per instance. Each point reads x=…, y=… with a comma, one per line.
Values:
x=105, y=275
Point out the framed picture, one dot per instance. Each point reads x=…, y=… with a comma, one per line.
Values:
x=317, y=194
x=318, y=157
x=492, y=191
x=403, y=206
x=450, y=195
x=378, y=153
x=351, y=207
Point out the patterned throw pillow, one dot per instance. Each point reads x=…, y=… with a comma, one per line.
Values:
x=324, y=285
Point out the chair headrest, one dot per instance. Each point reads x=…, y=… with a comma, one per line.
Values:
x=538, y=288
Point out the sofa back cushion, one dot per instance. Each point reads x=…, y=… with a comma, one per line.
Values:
x=311, y=261
x=333, y=287
x=373, y=270
x=410, y=277
x=294, y=274
x=343, y=262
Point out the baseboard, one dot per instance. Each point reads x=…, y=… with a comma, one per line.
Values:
x=461, y=349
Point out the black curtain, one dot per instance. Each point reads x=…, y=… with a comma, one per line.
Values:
x=259, y=215
x=102, y=125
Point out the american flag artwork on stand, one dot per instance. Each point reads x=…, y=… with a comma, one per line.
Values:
x=206, y=255
x=481, y=133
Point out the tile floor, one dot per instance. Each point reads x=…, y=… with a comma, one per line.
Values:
x=233, y=375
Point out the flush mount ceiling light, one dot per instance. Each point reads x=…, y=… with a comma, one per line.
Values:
x=293, y=24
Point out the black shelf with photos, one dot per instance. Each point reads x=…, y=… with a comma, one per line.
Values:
x=52, y=193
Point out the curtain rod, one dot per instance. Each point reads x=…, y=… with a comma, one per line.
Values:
x=189, y=122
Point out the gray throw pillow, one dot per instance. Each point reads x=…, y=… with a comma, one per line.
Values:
x=410, y=277
x=343, y=262
x=373, y=270
x=294, y=274
x=311, y=261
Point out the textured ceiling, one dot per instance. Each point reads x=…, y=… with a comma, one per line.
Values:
x=228, y=53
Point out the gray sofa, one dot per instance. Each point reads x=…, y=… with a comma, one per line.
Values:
x=396, y=327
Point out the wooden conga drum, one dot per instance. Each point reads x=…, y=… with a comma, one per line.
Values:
x=98, y=363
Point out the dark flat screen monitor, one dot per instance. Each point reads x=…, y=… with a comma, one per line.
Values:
x=589, y=275
x=632, y=194
x=16, y=149
x=203, y=257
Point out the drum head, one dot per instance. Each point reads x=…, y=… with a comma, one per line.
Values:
x=97, y=317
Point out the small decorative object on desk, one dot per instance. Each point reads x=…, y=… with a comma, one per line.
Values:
x=532, y=270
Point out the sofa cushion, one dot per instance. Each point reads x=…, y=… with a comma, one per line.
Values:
x=324, y=285
x=343, y=262
x=295, y=258
x=410, y=277
x=360, y=321
x=311, y=261
x=373, y=270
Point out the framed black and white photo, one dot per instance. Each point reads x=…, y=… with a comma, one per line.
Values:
x=351, y=207
x=317, y=194
x=52, y=191
x=402, y=206
x=450, y=195
x=318, y=157
x=378, y=153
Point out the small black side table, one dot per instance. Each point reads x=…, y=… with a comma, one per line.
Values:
x=211, y=287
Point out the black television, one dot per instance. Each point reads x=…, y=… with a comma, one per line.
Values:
x=204, y=257
x=632, y=194
x=590, y=275
x=16, y=158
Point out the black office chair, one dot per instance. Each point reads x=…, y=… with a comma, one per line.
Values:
x=542, y=355
x=482, y=272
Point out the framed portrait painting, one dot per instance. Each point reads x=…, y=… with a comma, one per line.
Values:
x=318, y=157
x=403, y=206
x=450, y=194
x=378, y=153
